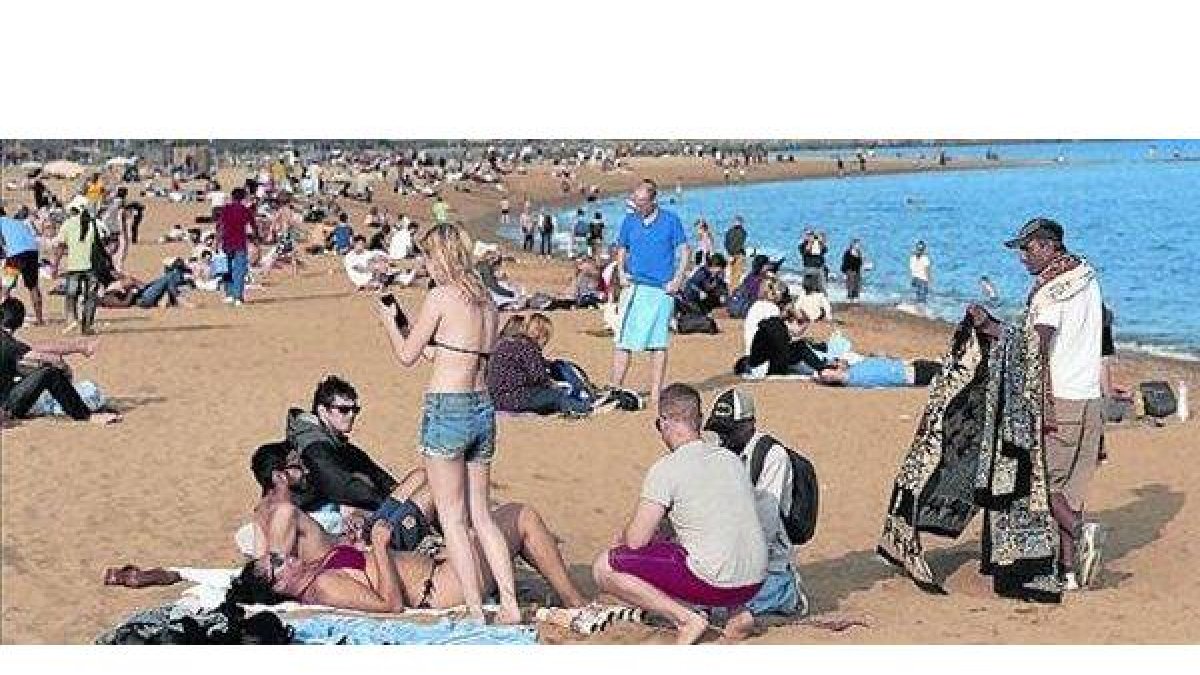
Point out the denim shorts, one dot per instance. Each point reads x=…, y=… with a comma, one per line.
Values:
x=459, y=425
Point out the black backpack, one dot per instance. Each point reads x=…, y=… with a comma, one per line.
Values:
x=801, y=521
x=695, y=323
x=1159, y=399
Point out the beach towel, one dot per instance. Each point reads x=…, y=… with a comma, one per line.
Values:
x=355, y=630
x=978, y=446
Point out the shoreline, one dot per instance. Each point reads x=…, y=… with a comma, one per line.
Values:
x=486, y=222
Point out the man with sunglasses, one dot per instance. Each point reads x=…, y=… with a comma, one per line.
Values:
x=341, y=473
x=718, y=557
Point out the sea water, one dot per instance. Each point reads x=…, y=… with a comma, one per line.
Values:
x=1132, y=208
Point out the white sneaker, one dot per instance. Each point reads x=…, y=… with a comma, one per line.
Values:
x=238, y=303
x=227, y=300
x=1069, y=582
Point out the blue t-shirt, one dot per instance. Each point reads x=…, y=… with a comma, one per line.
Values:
x=342, y=234
x=650, y=247
x=18, y=236
x=878, y=371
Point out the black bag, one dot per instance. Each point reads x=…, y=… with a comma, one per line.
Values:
x=801, y=521
x=1159, y=398
x=695, y=323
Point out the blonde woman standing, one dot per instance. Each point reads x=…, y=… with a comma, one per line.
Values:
x=455, y=329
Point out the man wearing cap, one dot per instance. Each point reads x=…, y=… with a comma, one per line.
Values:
x=77, y=237
x=652, y=257
x=1065, y=311
x=718, y=557
x=733, y=420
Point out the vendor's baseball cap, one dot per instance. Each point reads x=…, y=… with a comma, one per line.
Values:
x=733, y=405
x=1038, y=228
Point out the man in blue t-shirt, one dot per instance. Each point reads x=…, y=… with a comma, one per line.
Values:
x=19, y=246
x=652, y=251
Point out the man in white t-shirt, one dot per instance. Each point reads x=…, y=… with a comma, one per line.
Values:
x=1068, y=319
x=919, y=269
x=360, y=265
x=719, y=555
x=733, y=420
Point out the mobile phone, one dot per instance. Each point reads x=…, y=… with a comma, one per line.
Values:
x=389, y=300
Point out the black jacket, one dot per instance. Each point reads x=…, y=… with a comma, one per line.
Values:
x=338, y=471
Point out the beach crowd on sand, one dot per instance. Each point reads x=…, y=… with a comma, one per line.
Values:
x=714, y=535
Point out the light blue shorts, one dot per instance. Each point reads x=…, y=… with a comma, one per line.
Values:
x=778, y=595
x=645, y=318
x=459, y=425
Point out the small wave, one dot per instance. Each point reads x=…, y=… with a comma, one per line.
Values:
x=1162, y=351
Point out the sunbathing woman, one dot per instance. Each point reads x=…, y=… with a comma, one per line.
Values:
x=296, y=559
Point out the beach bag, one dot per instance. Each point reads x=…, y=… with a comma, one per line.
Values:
x=739, y=302
x=695, y=323
x=801, y=520
x=574, y=379
x=1158, y=398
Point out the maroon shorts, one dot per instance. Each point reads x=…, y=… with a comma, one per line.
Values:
x=663, y=564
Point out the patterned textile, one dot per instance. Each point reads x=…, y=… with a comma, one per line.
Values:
x=979, y=445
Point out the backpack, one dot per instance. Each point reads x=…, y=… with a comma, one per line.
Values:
x=801, y=521
x=695, y=323
x=579, y=385
x=739, y=302
x=1158, y=399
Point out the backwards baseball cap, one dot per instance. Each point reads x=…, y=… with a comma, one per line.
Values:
x=1038, y=228
x=731, y=406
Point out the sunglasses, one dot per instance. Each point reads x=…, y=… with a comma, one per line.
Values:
x=346, y=409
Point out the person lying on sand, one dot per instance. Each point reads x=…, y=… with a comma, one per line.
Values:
x=297, y=560
x=880, y=371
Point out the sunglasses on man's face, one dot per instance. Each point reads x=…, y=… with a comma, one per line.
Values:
x=353, y=408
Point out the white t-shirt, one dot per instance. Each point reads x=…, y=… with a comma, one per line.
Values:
x=918, y=267
x=758, y=312
x=363, y=260
x=712, y=508
x=400, y=245
x=1075, y=360
x=815, y=306
x=216, y=199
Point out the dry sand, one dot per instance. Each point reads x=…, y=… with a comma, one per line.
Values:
x=202, y=388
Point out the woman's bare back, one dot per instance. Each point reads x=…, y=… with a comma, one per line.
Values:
x=462, y=342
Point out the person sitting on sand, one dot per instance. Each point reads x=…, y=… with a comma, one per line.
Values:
x=297, y=560
x=719, y=556
x=518, y=376
x=506, y=296
x=365, y=268
x=28, y=370
x=813, y=301
x=705, y=289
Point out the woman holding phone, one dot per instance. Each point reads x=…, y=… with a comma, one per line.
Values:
x=455, y=329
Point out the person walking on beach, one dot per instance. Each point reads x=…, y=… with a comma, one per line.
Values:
x=456, y=328
x=440, y=210
x=852, y=262
x=920, y=272
x=77, y=237
x=735, y=248
x=19, y=242
x=233, y=229
x=704, y=242
x=546, y=248
x=1066, y=308
x=526, y=220
x=652, y=258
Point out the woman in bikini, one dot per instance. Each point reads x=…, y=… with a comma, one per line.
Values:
x=455, y=329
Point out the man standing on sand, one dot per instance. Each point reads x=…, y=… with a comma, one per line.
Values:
x=652, y=257
x=718, y=557
x=735, y=248
x=441, y=210
x=852, y=262
x=1066, y=309
x=233, y=235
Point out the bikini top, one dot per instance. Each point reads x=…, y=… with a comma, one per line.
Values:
x=462, y=350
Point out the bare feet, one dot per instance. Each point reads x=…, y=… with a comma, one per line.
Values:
x=103, y=418
x=508, y=616
x=740, y=626
x=691, y=631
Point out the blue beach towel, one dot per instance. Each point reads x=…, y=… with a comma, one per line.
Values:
x=353, y=630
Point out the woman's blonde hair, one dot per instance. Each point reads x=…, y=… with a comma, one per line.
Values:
x=448, y=246
x=513, y=327
x=539, y=327
x=772, y=290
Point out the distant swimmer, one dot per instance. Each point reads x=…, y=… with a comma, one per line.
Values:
x=988, y=289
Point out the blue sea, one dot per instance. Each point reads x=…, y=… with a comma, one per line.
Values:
x=1132, y=208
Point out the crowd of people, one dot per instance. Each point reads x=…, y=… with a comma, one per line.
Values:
x=332, y=527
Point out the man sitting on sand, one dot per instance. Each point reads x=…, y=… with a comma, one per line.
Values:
x=41, y=367
x=296, y=559
x=719, y=558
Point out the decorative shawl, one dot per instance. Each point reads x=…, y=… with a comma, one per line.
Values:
x=979, y=445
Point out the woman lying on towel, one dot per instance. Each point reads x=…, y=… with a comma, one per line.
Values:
x=298, y=560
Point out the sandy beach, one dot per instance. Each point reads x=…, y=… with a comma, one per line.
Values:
x=202, y=388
